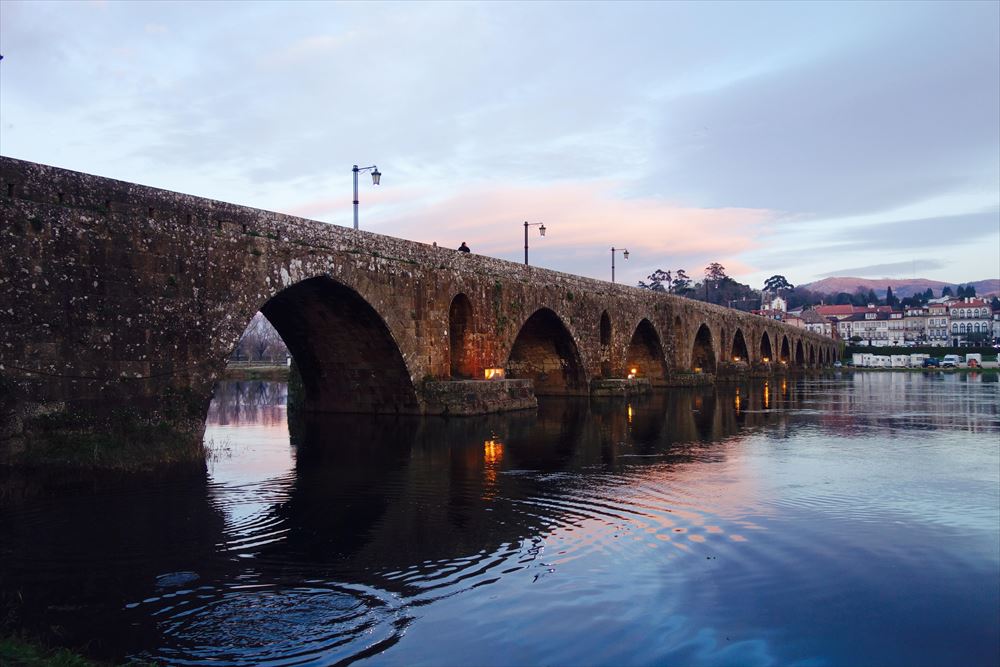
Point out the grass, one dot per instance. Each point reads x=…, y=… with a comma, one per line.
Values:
x=27, y=653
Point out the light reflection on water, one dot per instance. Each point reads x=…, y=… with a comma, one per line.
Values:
x=843, y=520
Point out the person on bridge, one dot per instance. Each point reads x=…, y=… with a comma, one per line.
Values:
x=463, y=248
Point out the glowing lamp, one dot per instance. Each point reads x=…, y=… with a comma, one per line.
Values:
x=493, y=373
x=767, y=359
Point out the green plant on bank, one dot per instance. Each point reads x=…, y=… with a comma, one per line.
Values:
x=18, y=650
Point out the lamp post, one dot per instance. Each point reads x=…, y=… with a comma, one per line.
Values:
x=541, y=232
x=613, y=251
x=376, y=177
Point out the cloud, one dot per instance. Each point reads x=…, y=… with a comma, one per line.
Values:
x=883, y=270
x=583, y=221
x=881, y=120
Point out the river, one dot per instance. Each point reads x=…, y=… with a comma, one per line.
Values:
x=849, y=519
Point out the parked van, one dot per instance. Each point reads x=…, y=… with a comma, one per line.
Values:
x=950, y=361
x=974, y=360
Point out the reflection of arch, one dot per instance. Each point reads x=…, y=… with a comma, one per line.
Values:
x=765, y=348
x=702, y=354
x=346, y=355
x=459, y=338
x=544, y=351
x=786, y=354
x=800, y=357
x=739, y=351
x=645, y=353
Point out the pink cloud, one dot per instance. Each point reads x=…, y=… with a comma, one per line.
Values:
x=583, y=221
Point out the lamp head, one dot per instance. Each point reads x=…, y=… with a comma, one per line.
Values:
x=625, y=254
x=376, y=176
x=541, y=230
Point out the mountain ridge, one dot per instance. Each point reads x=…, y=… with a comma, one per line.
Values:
x=901, y=287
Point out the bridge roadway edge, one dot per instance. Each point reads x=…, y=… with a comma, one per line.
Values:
x=119, y=304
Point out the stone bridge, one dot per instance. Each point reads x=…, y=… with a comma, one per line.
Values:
x=117, y=299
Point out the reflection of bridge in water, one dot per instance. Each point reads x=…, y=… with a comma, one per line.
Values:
x=127, y=299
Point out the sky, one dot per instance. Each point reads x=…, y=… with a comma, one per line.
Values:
x=805, y=139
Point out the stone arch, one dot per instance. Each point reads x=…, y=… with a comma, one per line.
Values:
x=460, y=342
x=812, y=355
x=786, y=354
x=702, y=350
x=800, y=357
x=739, y=351
x=545, y=352
x=348, y=358
x=766, y=353
x=645, y=354
x=605, y=330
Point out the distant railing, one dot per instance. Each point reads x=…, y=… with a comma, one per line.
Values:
x=256, y=364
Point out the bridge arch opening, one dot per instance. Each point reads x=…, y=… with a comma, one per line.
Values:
x=739, y=351
x=786, y=355
x=545, y=352
x=766, y=354
x=800, y=357
x=702, y=352
x=645, y=354
x=345, y=353
x=812, y=355
x=605, y=338
x=460, y=343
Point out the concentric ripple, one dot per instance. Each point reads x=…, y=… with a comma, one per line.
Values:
x=268, y=624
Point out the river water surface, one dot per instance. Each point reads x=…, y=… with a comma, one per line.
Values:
x=846, y=520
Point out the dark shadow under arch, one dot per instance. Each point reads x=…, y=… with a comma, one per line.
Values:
x=460, y=345
x=785, y=352
x=766, y=354
x=544, y=352
x=739, y=351
x=605, y=338
x=345, y=353
x=702, y=352
x=812, y=355
x=645, y=354
x=800, y=357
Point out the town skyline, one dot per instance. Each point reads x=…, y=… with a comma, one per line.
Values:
x=808, y=140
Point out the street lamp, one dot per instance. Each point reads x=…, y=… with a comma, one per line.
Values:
x=613, y=251
x=541, y=232
x=376, y=177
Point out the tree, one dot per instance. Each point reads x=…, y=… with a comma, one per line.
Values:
x=656, y=281
x=260, y=342
x=715, y=272
x=946, y=291
x=872, y=297
x=682, y=283
x=842, y=299
x=890, y=298
x=928, y=294
x=777, y=283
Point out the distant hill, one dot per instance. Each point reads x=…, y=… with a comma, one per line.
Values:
x=901, y=287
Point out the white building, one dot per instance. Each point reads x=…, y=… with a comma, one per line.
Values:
x=971, y=322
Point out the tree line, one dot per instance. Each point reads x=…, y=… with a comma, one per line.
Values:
x=718, y=288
